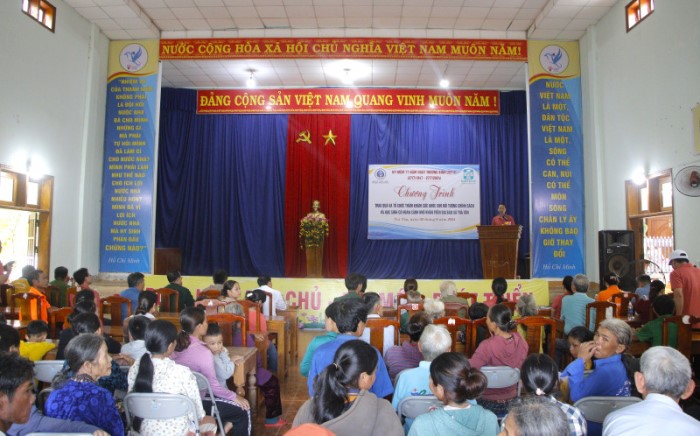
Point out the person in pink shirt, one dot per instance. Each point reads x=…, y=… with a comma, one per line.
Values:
x=193, y=353
x=505, y=347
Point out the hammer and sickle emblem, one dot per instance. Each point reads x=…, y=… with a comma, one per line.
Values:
x=304, y=136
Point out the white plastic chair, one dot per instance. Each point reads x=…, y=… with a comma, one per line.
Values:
x=501, y=377
x=45, y=370
x=203, y=385
x=595, y=409
x=411, y=407
x=157, y=406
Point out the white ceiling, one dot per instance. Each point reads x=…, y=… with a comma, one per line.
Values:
x=459, y=19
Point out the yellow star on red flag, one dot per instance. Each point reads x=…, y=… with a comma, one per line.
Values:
x=330, y=137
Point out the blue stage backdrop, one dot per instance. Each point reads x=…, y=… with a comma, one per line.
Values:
x=221, y=186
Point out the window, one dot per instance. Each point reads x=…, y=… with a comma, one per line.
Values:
x=7, y=187
x=636, y=11
x=41, y=11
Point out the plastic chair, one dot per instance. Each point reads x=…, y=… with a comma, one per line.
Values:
x=595, y=409
x=501, y=377
x=227, y=321
x=376, y=328
x=114, y=303
x=157, y=406
x=535, y=333
x=203, y=385
x=412, y=407
x=452, y=323
x=165, y=297
x=601, y=312
x=45, y=370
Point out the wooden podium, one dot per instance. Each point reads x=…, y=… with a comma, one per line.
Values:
x=499, y=250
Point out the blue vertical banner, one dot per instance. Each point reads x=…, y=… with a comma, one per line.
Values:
x=129, y=157
x=556, y=158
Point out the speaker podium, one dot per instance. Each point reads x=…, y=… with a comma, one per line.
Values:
x=499, y=250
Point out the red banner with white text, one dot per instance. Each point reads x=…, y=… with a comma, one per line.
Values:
x=345, y=48
x=348, y=100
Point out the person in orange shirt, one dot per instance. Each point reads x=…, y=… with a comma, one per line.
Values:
x=611, y=281
x=39, y=279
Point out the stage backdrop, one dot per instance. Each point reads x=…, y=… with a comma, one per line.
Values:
x=232, y=188
x=312, y=296
x=423, y=201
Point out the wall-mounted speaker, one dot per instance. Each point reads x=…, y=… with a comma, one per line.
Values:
x=616, y=255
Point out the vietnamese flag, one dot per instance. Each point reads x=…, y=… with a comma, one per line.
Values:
x=318, y=168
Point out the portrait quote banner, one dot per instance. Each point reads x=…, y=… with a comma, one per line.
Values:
x=556, y=161
x=423, y=201
x=129, y=157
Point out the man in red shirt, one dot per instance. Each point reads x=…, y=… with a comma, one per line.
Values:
x=685, y=283
x=502, y=219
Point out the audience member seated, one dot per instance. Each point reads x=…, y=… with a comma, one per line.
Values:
x=407, y=355
x=643, y=305
x=540, y=376
x=611, y=281
x=433, y=308
x=643, y=286
x=455, y=383
x=412, y=297
x=535, y=417
x=331, y=313
x=193, y=353
x=147, y=305
x=499, y=287
x=278, y=301
x=352, y=316
x=137, y=283
x=356, y=284
x=448, y=294
x=478, y=311
x=39, y=280
x=81, y=308
x=9, y=339
x=116, y=379
x=505, y=347
x=36, y=346
x=267, y=382
x=87, y=360
x=664, y=379
x=526, y=306
x=409, y=284
x=414, y=382
x=344, y=403
x=373, y=302
x=136, y=346
x=652, y=331
x=576, y=337
x=156, y=372
x=230, y=293
x=83, y=280
x=556, y=304
x=23, y=283
x=184, y=295
x=60, y=282
x=219, y=277
x=573, y=313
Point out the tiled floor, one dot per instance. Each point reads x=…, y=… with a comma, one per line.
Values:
x=294, y=393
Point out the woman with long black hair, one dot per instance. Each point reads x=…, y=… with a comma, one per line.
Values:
x=191, y=352
x=156, y=372
x=342, y=402
x=147, y=304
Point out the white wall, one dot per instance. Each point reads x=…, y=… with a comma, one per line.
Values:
x=52, y=108
x=639, y=90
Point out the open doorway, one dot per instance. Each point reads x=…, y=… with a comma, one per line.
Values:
x=20, y=238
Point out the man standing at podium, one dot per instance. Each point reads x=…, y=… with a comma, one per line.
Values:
x=502, y=219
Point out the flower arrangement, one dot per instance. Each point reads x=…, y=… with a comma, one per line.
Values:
x=312, y=230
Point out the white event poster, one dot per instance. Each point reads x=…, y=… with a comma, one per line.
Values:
x=423, y=201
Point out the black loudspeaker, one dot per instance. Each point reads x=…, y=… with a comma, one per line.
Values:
x=616, y=255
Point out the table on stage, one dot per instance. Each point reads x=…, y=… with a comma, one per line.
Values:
x=244, y=376
x=280, y=325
